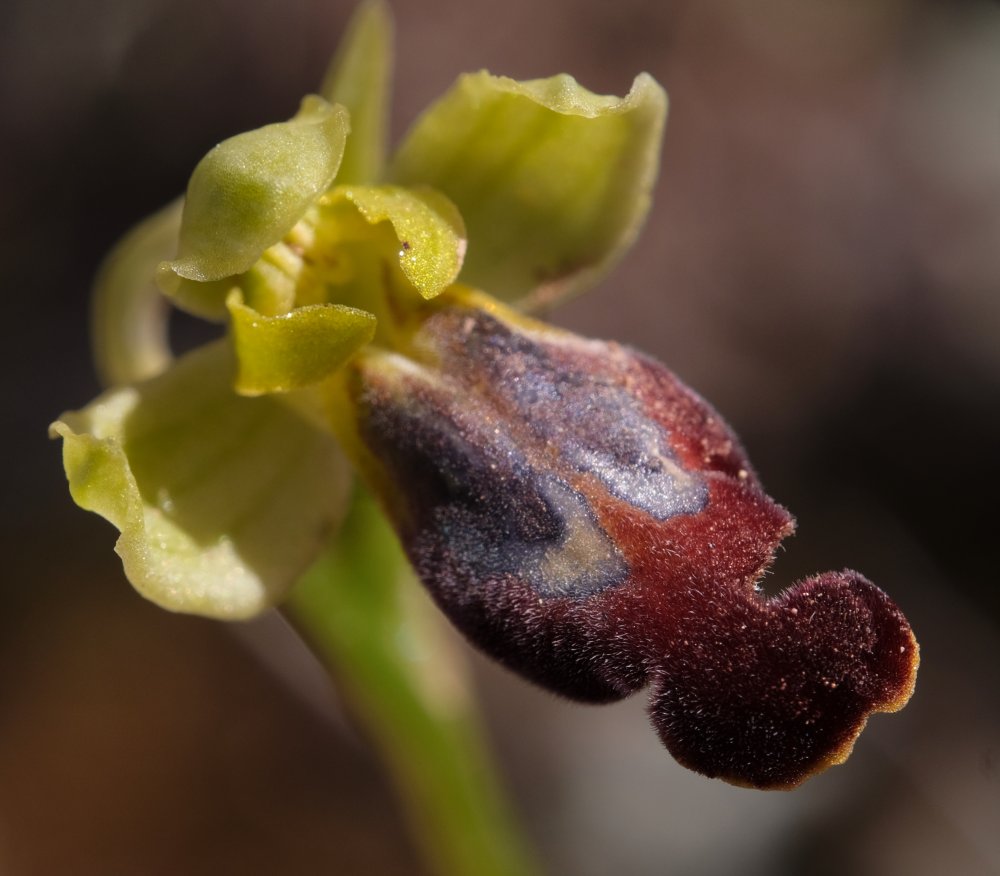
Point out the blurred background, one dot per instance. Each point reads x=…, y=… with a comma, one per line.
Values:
x=822, y=262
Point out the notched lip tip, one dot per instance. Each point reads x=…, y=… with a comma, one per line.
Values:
x=907, y=690
x=842, y=752
x=836, y=757
x=894, y=700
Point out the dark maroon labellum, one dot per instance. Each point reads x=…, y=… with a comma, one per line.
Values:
x=594, y=525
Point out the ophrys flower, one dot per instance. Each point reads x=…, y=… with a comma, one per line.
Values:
x=575, y=510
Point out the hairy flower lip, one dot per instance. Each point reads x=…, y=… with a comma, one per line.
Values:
x=800, y=703
x=580, y=514
x=464, y=444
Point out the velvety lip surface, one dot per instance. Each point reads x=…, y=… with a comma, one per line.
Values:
x=591, y=523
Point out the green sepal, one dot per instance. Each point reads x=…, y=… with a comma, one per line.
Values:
x=128, y=314
x=358, y=79
x=247, y=193
x=296, y=349
x=428, y=226
x=221, y=501
x=553, y=181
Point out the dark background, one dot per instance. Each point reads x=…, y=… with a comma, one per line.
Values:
x=822, y=262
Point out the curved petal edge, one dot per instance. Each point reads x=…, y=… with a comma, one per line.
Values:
x=591, y=523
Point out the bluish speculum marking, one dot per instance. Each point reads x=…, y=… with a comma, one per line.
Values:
x=598, y=427
x=639, y=469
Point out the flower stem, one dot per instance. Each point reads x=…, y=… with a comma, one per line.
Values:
x=363, y=613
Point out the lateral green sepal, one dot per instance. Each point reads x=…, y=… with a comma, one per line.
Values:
x=221, y=501
x=128, y=313
x=553, y=181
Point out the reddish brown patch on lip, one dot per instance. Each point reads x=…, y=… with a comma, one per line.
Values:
x=593, y=524
x=771, y=693
x=759, y=692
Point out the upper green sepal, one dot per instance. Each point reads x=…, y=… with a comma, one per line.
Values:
x=358, y=79
x=553, y=181
x=221, y=501
x=248, y=192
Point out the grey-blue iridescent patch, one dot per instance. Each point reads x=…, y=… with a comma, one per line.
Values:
x=597, y=425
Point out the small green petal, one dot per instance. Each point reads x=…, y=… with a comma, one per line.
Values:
x=296, y=349
x=358, y=79
x=247, y=193
x=429, y=228
x=129, y=315
x=552, y=180
x=221, y=501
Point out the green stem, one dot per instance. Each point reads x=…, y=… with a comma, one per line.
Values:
x=365, y=616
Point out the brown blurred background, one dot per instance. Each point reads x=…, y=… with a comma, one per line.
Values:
x=822, y=262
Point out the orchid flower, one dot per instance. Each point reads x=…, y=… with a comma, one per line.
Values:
x=575, y=510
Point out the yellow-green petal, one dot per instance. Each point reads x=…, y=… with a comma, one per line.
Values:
x=553, y=181
x=428, y=226
x=250, y=190
x=358, y=79
x=128, y=314
x=221, y=501
x=295, y=349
